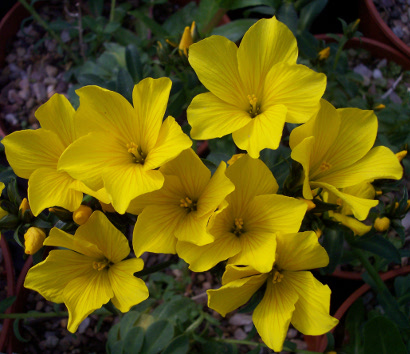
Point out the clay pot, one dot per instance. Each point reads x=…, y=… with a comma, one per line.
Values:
x=373, y=26
x=319, y=343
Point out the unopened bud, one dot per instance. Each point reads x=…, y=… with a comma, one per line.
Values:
x=379, y=107
x=324, y=53
x=33, y=240
x=82, y=214
x=382, y=224
x=401, y=155
x=24, y=211
x=309, y=203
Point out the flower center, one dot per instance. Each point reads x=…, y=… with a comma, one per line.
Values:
x=277, y=276
x=238, y=229
x=254, y=109
x=137, y=155
x=325, y=166
x=188, y=204
x=101, y=264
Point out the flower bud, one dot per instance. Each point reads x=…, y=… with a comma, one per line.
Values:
x=401, y=155
x=33, y=240
x=81, y=215
x=24, y=211
x=309, y=203
x=382, y=224
x=380, y=107
x=324, y=53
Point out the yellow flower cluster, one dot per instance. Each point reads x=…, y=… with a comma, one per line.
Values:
x=132, y=160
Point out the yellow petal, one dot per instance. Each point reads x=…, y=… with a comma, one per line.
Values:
x=274, y=213
x=193, y=174
x=379, y=162
x=300, y=251
x=105, y=110
x=362, y=190
x=296, y=87
x=193, y=229
x=210, y=117
x=311, y=316
x=29, y=150
x=170, y=143
x=154, y=230
x=48, y=188
x=57, y=115
x=215, y=191
x=85, y=294
x=233, y=272
x=59, y=238
x=266, y=43
x=360, y=207
x=273, y=314
x=356, y=226
x=251, y=177
x=214, y=61
x=263, y=131
x=128, y=290
x=234, y=294
x=67, y=264
x=257, y=250
x=99, y=231
x=101, y=194
x=150, y=98
x=203, y=258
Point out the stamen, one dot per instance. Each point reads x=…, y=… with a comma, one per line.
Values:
x=255, y=108
x=339, y=201
x=237, y=229
x=101, y=265
x=277, y=276
x=325, y=166
x=188, y=204
x=137, y=155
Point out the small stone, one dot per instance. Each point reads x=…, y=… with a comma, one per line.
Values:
x=36, y=76
x=292, y=333
x=51, y=340
x=50, y=81
x=239, y=334
x=395, y=98
x=300, y=344
x=50, y=90
x=382, y=63
x=206, y=285
x=39, y=305
x=83, y=326
x=51, y=71
x=39, y=91
x=398, y=31
x=65, y=36
x=240, y=319
x=404, y=18
x=11, y=118
x=61, y=87
x=377, y=74
x=20, y=52
x=11, y=58
x=12, y=96
x=50, y=45
x=365, y=72
x=30, y=103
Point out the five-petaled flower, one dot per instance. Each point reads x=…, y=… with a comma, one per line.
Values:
x=245, y=231
x=254, y=89
x=89, y=271
x=335, y=151
x=292, y=294
x=122, y=146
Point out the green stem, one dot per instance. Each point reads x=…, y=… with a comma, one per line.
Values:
x=381, y=287
x=155, y=268
x=42, y=23
x=112, y=11
x=195, y=324
x=33, y=315
x=342, y=43
x=214, y=21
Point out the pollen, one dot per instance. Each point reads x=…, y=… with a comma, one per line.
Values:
x=254, y=109
x=101, y=265
x=277, y=276
x=137, y=155
x=237, y=229
x=188, y=204
x=325, y=166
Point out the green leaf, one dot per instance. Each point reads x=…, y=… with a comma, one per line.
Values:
x=179, y=345
x=309, y=13
x=125, y=84
x=157, y=337
x=382, y=336
x=12, y=192
x=354, y=319
x=287, y=14
x=239, y=4
x=133, y=61
x=127, y=322
x=234, y=30
x=6, y=303
x=176, y=23
x=134, y=340
x=379, y=245
x=96, y=7
x=157, y=29
x=16, y=330
x=224, y=145
x=175, y=310
x=333, y=243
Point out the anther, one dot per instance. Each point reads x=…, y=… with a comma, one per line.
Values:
x=277, y=277
x=100, y=265
x=254, y=107
x=188, y=204
x=325, y=166
x=137, y=155
x=238, y=227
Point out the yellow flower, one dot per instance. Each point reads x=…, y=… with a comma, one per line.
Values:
x=245, y=231
x=33, y=240
x=186, y=40
x=124, y=145
x=89, y=271
x=324, y=53
x=82, y=214
x=254, y=89
x=382, y=224
x=292, y=294
x=182, y=208
x=3, y=213
x=335, y=150
x=34, y=154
